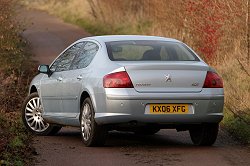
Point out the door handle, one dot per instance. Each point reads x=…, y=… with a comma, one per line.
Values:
x=79, y=77
x=59, y=79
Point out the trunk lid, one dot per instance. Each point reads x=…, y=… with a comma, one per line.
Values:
x=167, y=77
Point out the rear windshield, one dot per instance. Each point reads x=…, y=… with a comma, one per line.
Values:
x=139, y=50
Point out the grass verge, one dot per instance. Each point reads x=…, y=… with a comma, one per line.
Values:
x=16, y=69
x=14, y=141
x=237, y=126
x=100, y=28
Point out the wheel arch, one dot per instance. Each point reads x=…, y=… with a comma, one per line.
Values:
x=85, y=94
x=33, y=89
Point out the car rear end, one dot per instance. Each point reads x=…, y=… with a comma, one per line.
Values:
x=126, y=104
x=173, y=90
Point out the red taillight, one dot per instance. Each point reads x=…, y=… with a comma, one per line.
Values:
x=117, y=80
x=213, y=80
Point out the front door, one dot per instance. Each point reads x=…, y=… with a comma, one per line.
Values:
x=53, y=87
x=49, y=92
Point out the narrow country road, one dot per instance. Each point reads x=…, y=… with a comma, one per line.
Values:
x=48, y=36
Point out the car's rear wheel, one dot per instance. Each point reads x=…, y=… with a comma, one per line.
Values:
x=92, y=133
x=205, y=134
x=32, y=117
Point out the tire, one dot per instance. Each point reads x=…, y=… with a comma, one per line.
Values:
x=204, y=135
x=92, y=133
x=147, y=131
x=32, y=117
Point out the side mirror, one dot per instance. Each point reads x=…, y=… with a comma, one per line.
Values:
x=45, y=70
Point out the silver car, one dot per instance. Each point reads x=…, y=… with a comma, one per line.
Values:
x=136, y=83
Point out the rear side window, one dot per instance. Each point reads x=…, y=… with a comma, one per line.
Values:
x=139, y=50
x=84, y=56
x=64, y=61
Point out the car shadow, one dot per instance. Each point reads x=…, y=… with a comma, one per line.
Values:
x=164, y=138
x=157, y=140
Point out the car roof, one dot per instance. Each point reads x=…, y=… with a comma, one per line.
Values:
x=110, y=38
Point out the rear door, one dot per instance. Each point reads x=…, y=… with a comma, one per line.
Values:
x=75, y=78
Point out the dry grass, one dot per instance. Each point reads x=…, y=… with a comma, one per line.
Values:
x=216, y=29
x=75, y=8
x=103, y=21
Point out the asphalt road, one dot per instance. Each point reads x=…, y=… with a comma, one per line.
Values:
x=48, y=36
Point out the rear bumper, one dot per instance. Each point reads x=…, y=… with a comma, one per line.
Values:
x=127, y=105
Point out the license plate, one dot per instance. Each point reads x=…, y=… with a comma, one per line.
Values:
x=168, y=109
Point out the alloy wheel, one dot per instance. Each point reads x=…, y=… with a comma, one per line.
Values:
x=33, y=115
x=86, y=122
